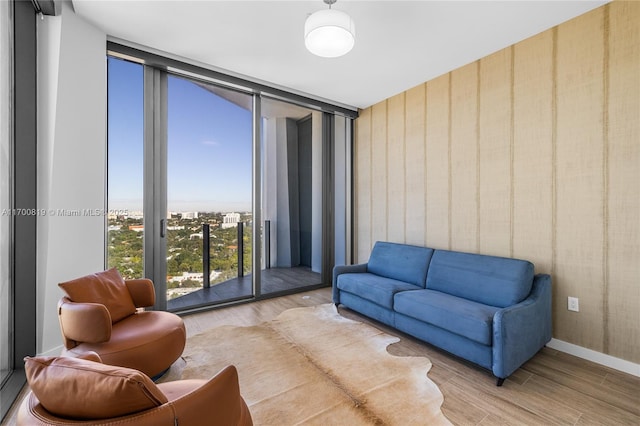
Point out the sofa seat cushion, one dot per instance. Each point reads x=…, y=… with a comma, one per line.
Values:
x=374, y=288
x=491, y=280
x=464, y=317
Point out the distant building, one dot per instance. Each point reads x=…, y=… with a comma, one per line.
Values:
x=135, y=215
x=195, y=236
x=194, y=276
x=189, y=215
x=230, y=220
x=137, y=228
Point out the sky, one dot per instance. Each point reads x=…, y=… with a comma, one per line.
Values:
x=209, y=145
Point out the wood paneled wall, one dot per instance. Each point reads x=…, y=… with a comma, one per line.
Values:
x=532, y=152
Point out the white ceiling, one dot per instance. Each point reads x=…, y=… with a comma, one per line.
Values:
x=399, y=44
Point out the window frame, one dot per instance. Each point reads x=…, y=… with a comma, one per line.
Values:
x=157, y=66
x=24, y=197
x=195, y=72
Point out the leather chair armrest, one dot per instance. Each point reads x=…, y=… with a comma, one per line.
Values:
x=142, y=292
x=83, y=322
x=218, y=400
x=90, y=356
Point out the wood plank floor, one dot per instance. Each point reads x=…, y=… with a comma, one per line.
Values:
x=553, y=388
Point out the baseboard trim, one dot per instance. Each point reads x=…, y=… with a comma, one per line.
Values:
x=597, y=357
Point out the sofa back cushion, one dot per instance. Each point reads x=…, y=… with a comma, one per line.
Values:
x=107, y=288
x=495, y=281
x=75, y=388
x=400, y=261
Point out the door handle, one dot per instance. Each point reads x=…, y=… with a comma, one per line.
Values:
x=163, y=228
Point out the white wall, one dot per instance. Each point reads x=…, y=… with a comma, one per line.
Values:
x=282, y=218
x=276, y=181
x=72, y=93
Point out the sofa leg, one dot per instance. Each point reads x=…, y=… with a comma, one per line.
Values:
x=499, y=382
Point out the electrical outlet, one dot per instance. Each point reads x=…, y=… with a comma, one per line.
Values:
x=572, y=304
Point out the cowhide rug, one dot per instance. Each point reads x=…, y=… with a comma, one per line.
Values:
x=313, y=366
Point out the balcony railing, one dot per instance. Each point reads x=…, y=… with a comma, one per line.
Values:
x=206, y=253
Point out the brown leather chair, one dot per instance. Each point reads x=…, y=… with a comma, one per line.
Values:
x=76, y=391
x=101, y=313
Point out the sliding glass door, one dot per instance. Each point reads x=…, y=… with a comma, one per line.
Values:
x=292, y=206
x=216, y=191
x=179, y=185
x=209, y=188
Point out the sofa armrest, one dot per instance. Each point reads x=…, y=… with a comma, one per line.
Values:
x=521, y=330
x=142, y=292
x=344, y=269
x=83, y=322
x=218, y=401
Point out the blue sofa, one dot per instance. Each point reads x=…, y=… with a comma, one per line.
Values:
x=492, y=311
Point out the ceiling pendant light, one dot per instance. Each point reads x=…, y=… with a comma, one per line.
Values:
x=329, y=33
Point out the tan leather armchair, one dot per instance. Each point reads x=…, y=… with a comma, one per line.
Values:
x=100, y=313
x=75, y=391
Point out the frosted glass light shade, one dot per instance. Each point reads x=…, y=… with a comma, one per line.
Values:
x=329, y=33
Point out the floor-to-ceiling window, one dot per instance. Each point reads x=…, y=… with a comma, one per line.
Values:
x=125, y=183
x=17, y=195
x=194, y=168
x=232, y=181
x=6, y=204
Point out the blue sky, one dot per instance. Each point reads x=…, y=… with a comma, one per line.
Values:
x=209, y=145
x=125, y=127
